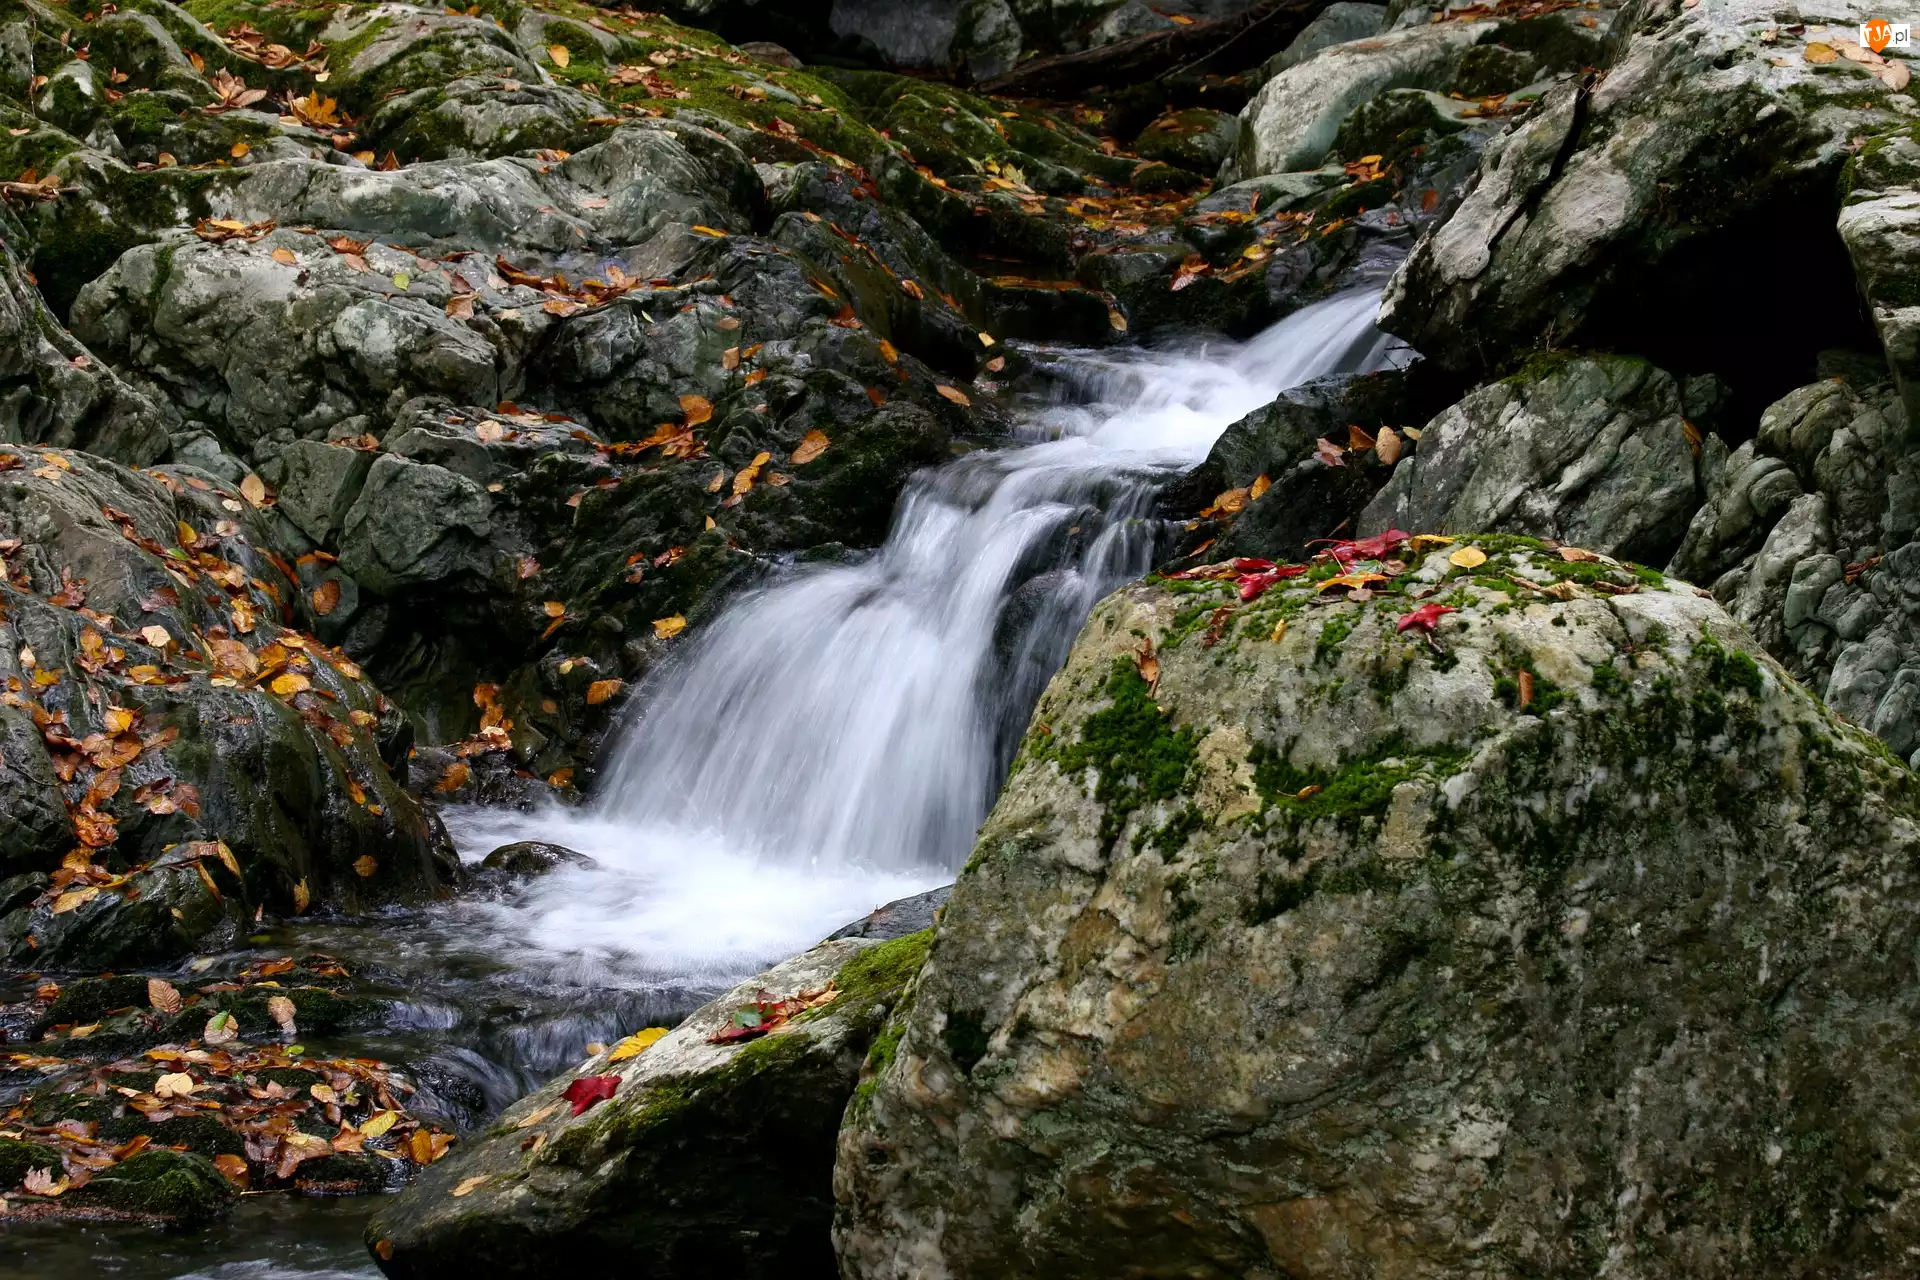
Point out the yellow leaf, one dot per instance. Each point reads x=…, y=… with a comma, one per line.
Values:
x=1279, y=631
x=469, y=1185
x=302, y=897
x=1468, y=558
x=366, y=867
x=288, y=683
x=1352, y=580
x=233, y=1168
x=1426, y=541
x=709, y=231
x=73, y=899
x=811, y=446
x=636, y=1044
x=560, y=55
x=177, y=1084
x=1819, y=52
x=239, y=150
x=379, y=1122
x=554, y=609
x=1259, y=487
x=698, y=409
x=667, y=628
x=188, y=537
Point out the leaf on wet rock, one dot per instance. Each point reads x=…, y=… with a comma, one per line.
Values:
x=636, y=1044
x=811, y=446
x=667, y=628
x=232, y=1168
x=41, y=1182
x=454, y=778
x=602, y=690
x=163, y=995
x=176, y=1084
x=366, y=866
x=288, y=683
x=954, y=394
x=588, y=1091
x=1387, y=446
x=1329, y=452
x=696, y=409
x=326, y=597
x=469, y=1185
x=222, y=1028
x=302, y=897
x=281, y=1010
x=1468, y=558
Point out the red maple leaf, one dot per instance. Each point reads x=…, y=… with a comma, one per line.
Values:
x=1254, y=585
x=1425, y=618
x=587, y=1090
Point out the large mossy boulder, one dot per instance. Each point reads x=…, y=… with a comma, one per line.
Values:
x=706, y=1157
x=1551, y=931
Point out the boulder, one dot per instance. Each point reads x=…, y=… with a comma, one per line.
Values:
x=165, y=721
x=1623, y=212
x=898, y=919
x=1291, y=122
x=1338, y=23
x=1196, y=139
x=1881, y=227
x=707, y=1157
x=1586, y=450
x=1360, y=946
x=528, y=859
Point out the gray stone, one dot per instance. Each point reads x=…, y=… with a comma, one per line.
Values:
x=899, y=918
x=1338, y=23
x=414, y=523
x=1396, y=955
x=1591, y=451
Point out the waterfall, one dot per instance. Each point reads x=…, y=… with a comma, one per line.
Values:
x=835, y=737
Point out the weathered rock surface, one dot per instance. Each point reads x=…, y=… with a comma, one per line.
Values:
x=1589, y=451
x=1615, y=215
x=705, y=1158
x=1341, y=952
x=158, y=703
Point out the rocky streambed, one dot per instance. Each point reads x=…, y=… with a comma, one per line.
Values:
x=1372, y=539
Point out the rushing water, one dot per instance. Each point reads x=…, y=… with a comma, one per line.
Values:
x=829, y=743
x=834, y=739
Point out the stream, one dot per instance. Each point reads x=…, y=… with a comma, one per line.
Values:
x=829, y=743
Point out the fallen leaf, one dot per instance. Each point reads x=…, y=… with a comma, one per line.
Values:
x=601, y=690
x=379, y=1122
x=176, y=1084
x=1468, y=558
x=366, y=866
x=587, y=1091
x=1819, y=52
x=1259, y=487
x=954, y=394
x=302, y=897
x=811, y=446
x=1386, y=446
x=1330, y=453
x=1425, y=618
x=1895, y=75
x=281, y=1010
x=469, y=1185
x=288, y=683
x=636, y=1044
x=697, y=409
x=326, y=597
x=222, y=1028
x=667, y=628
x=554, y=609
x=1351, y=580
x=232, y=1167
x=254, y=490
x=163, y=995
x=157, y=636
x=41, y=1182
x=560, y=55
x=239, y=150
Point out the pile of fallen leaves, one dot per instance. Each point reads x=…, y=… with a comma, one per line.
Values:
x=279, y=1107
x=768, y=1013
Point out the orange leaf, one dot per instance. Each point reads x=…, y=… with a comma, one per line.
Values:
x=954, y=394
x=811, y=446
x=698, y=409
x=326, y=597
x=601, y=690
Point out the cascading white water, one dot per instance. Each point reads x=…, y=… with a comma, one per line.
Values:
x=835, y=737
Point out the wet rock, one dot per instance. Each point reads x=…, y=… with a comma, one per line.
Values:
x=1590, y=451
x=159, y=1186
x=704, y=1158
x=171, y=707
x=1291, y=122
x=526, y=859
x=1297, y=962
x=1338, y=23
x=1196, y=139
x=897, y=919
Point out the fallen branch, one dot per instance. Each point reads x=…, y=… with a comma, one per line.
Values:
x=48, y=190
x=1222, y=45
